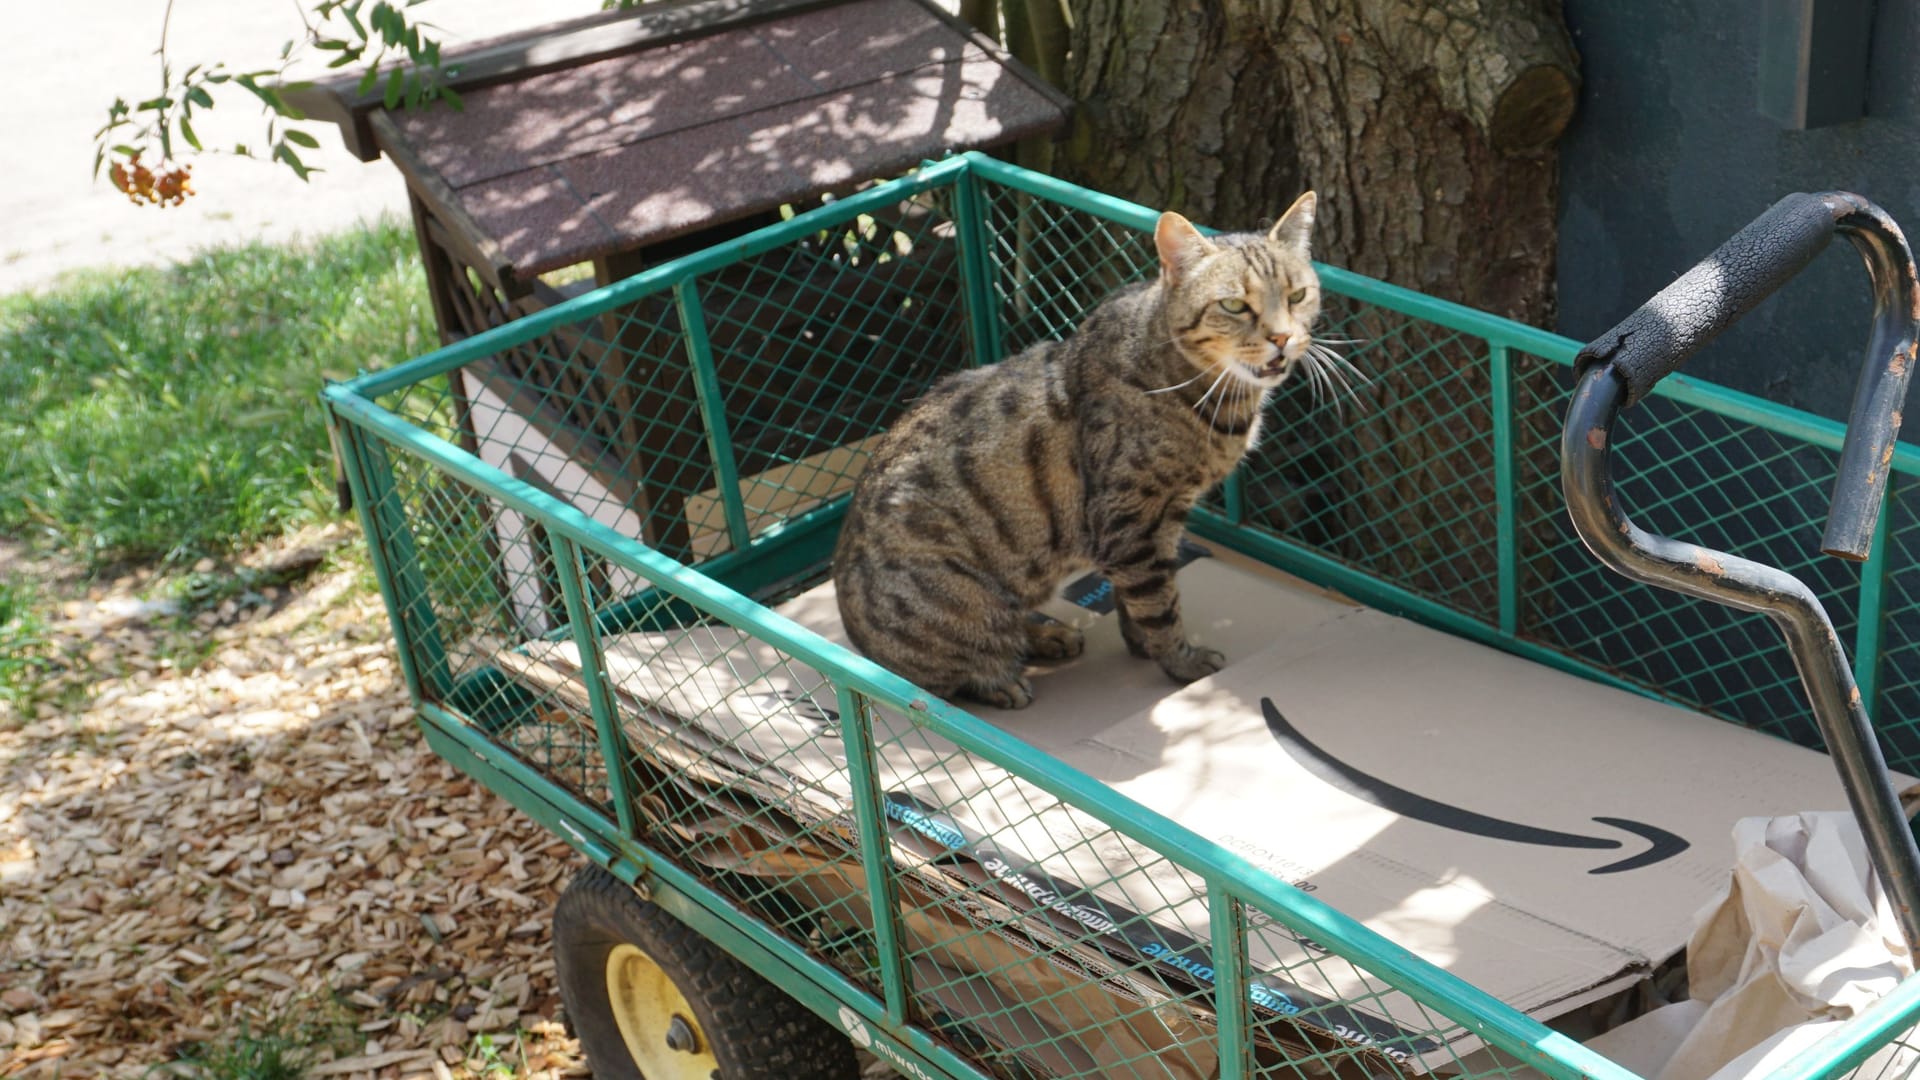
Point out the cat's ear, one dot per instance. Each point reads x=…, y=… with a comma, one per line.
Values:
x=1295, y=228
x=1180, y=245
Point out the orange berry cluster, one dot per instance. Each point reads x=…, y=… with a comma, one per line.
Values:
x=169, y=187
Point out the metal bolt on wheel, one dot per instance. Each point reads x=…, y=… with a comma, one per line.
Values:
x=651, y=1014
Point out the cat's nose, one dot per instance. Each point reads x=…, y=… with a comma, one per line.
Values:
x=1279, y=340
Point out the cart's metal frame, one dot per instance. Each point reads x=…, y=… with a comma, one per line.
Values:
x=369, y=435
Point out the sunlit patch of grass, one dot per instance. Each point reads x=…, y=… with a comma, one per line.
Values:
x=25, y=651
x=167, y=414
x=497, y=1058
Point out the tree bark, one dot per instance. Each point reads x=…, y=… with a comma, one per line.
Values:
x=1425, y=125
x=1427, y=128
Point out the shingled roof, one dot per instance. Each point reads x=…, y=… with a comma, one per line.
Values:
x=554, y=162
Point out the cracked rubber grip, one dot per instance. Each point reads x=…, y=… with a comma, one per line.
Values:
x=1654, y=341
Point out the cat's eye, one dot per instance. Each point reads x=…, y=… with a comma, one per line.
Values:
x=1234, y=306
x=1296, y=296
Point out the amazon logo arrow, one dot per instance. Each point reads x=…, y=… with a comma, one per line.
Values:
x=1662, y=845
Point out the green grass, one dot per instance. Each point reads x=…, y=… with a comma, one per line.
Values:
x=163, y=415
x=24, y=662
x=283, y=1048
x=244, y=1056
x=492, y=1061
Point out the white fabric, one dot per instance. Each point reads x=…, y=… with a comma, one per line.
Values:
x=1802, y=940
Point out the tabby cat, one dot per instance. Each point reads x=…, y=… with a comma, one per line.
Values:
x=1004, y=480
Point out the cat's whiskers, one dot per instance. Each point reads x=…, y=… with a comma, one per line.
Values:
x=1236, y=401
x=1197, y=377
x=1343, y=362
x=1232, y=392
x=1328, y=366
x=1233, y=388
x=1321, y=384
x=1340, y=367
x=1327, y=379
x=1313, y=378
x=1216, y=385
x=1331, y=375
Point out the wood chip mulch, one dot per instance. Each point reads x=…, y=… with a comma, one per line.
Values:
x=265, y=839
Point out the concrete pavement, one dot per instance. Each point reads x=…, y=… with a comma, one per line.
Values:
x=57, y=218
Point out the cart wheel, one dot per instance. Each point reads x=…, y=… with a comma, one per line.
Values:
x=650, y=998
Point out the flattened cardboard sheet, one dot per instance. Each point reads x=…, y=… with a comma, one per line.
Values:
x=1545, y=838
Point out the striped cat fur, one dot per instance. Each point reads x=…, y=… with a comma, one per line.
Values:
x=1086, y=452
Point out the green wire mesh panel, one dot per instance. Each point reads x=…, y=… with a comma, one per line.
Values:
x=450, y=539
x=1898, y=713
x=720, y=414
x=614, y=396
x=1005, y=945
x=1392, y=476
x=1366, y=1028
x=730, y=748
x=819, y=345
x=625, y=379
x=1687, y=472
x=1052, y=944
x=1891, y=1062
x=1053, y=265
x=804, y=355
x=1392, y=473
x=1396, y=478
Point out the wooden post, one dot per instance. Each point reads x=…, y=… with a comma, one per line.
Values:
x=645, y=388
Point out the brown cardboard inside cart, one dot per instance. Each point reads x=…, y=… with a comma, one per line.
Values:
x=1543, y=837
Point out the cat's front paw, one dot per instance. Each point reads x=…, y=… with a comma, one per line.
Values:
x=1054, y=641
x=1013, y=694
x=1192, y=662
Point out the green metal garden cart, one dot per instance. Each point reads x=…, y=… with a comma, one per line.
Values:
x=794, y=851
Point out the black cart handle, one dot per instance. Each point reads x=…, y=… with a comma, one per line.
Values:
x=1654, y=341
x=1622, y=366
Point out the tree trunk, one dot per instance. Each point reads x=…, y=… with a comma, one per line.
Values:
x=1427, y=127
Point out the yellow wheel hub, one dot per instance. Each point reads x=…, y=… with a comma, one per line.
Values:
x=654, y=1018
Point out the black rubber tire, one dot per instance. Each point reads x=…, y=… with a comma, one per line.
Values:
x=755, y=1030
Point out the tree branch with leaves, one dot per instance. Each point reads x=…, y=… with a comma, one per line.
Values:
x=145, y=147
